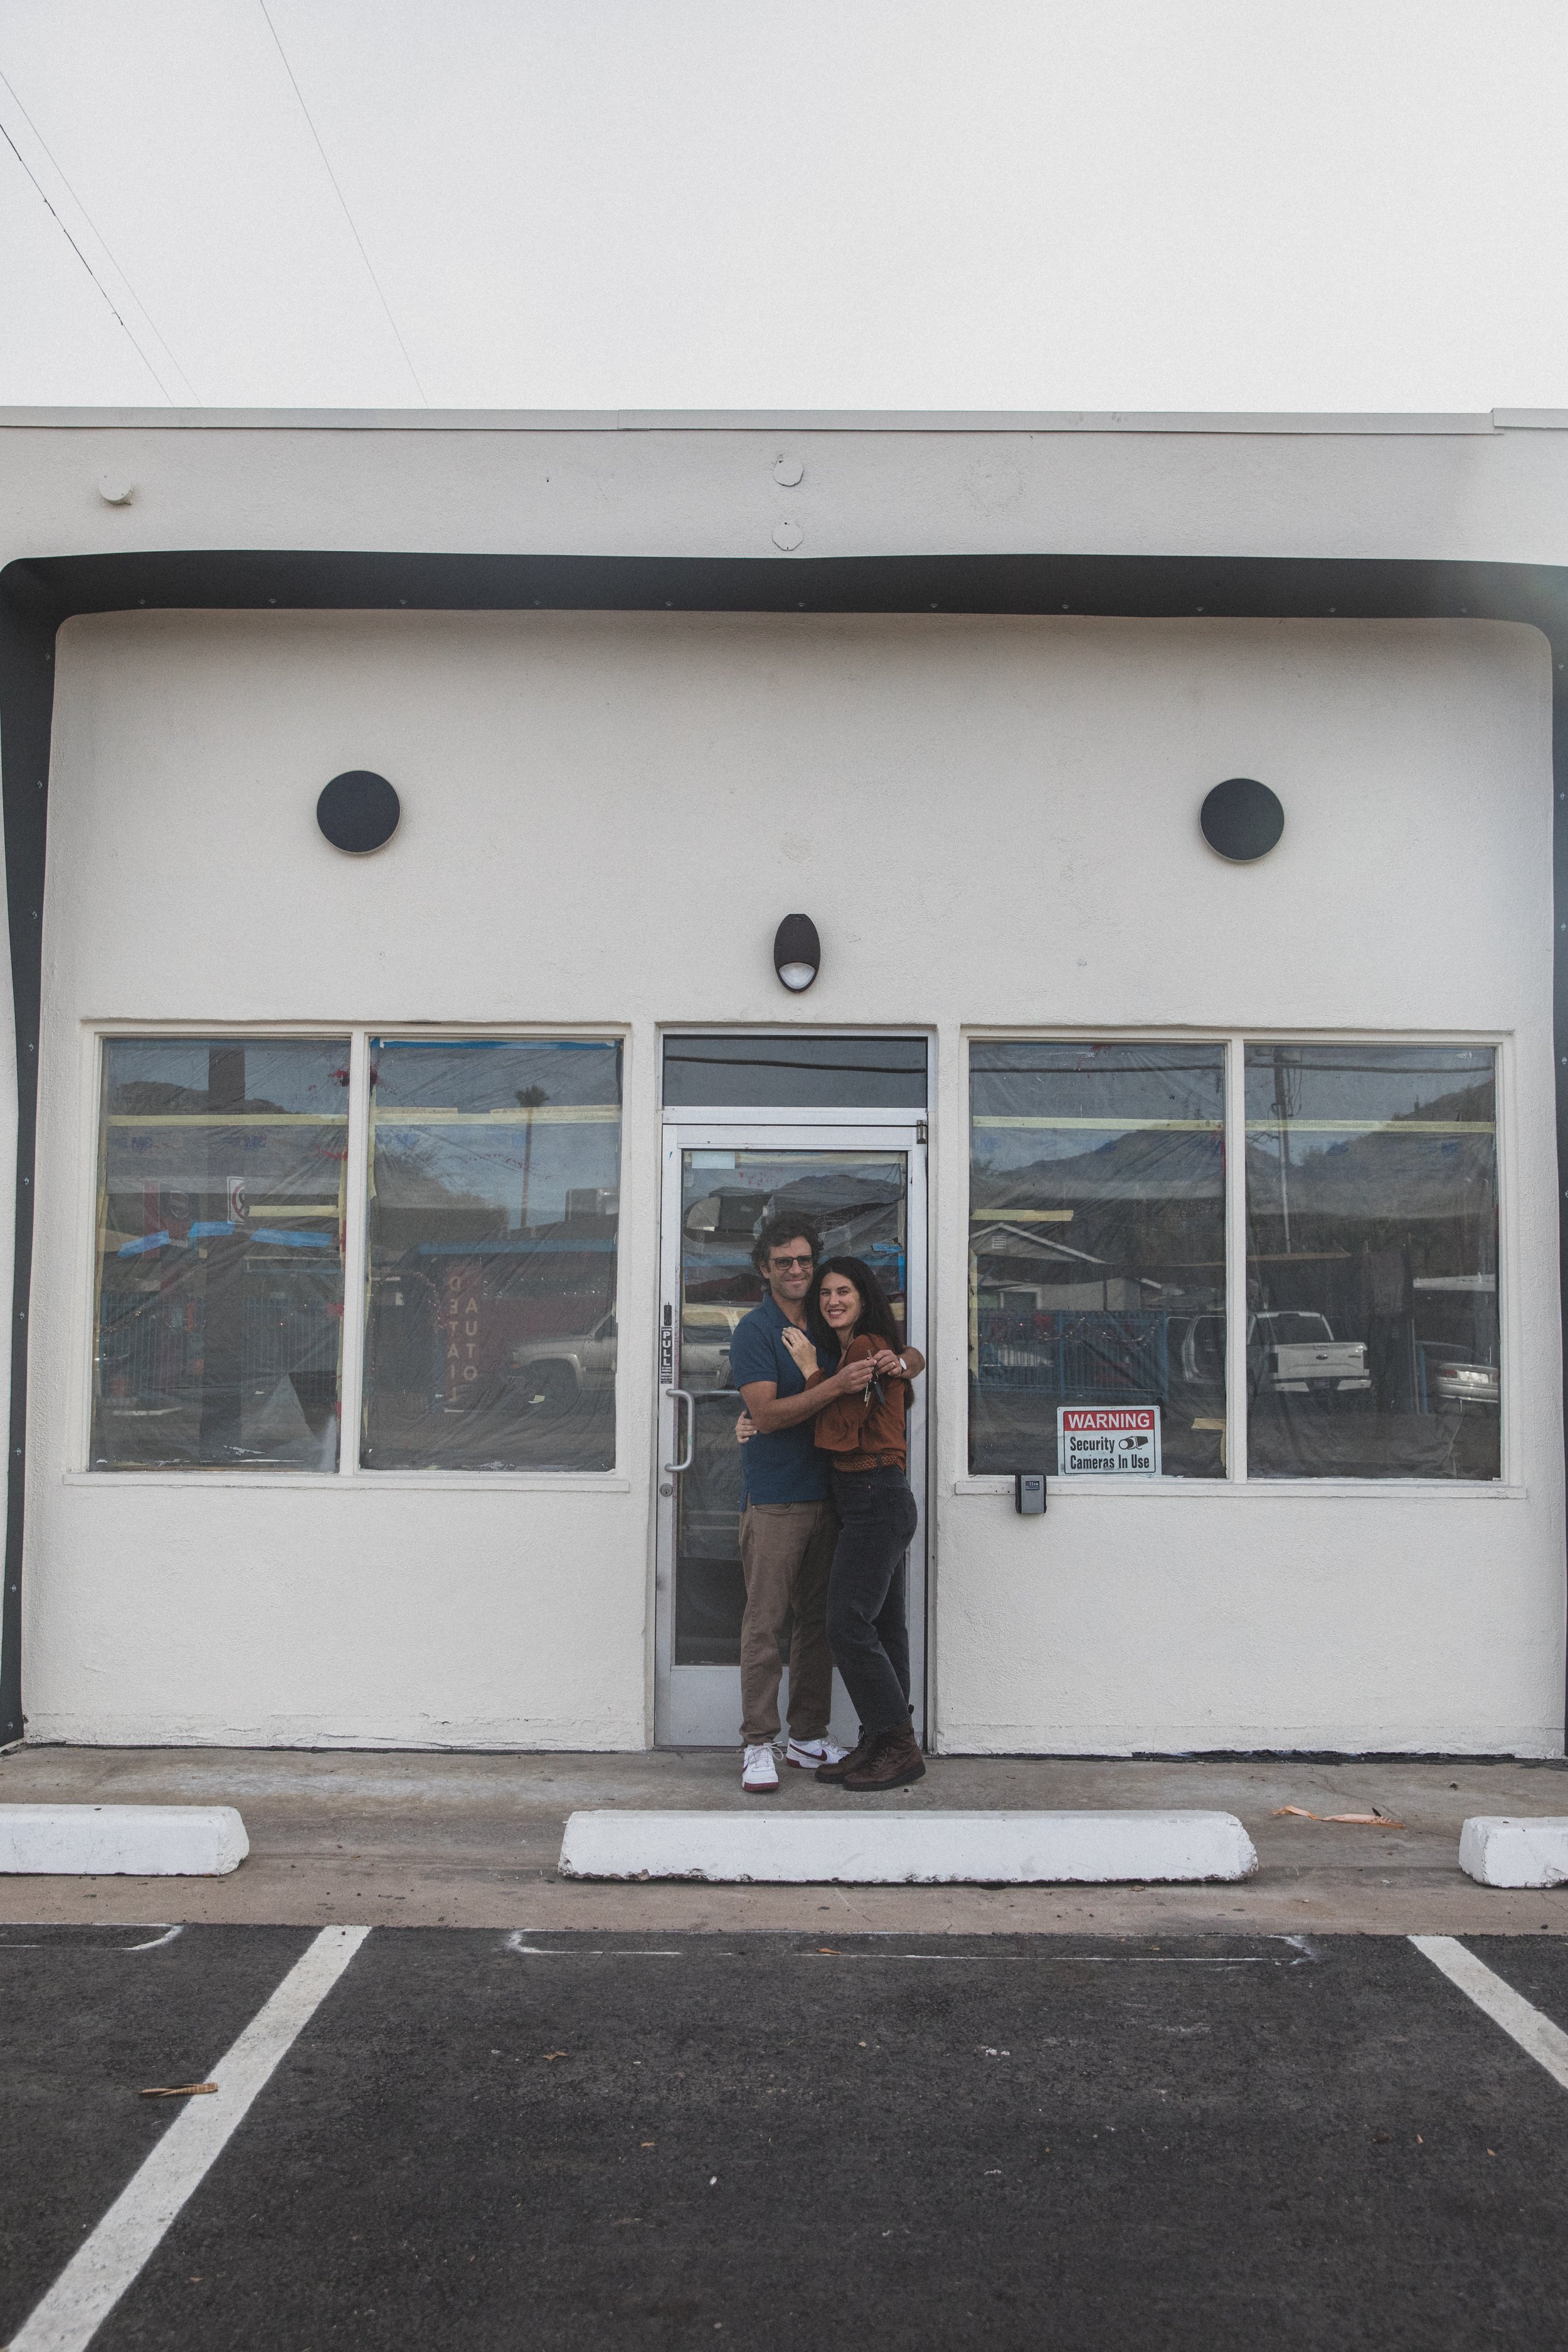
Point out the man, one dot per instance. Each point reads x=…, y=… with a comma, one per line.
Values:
x=788, y=1527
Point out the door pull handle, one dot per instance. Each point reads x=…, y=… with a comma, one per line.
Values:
x=683, y=1396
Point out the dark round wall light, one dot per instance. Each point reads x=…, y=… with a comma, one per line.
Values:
x=1242, y=819
x=797, y=952
x=358, y=810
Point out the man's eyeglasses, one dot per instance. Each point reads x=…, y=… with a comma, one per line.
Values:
x=783, y=1264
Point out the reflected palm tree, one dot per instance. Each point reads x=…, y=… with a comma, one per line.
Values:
x=532, y=1098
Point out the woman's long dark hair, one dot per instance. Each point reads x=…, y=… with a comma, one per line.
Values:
x=875, y=1316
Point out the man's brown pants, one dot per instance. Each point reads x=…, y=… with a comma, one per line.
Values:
x=786, y=1550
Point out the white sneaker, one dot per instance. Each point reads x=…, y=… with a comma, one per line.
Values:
x=809, y=1753
x=759, y=1771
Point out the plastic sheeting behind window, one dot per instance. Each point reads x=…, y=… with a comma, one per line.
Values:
x=1096, y=1246
x=798, y=1071
x=220, y=1286
x=1372, y=1268
x=494, y=1214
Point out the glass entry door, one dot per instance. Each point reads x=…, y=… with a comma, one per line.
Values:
x=863, y=1188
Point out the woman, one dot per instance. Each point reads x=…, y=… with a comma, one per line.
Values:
x=862, y=1432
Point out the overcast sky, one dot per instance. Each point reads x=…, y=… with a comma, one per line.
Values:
x=805, y=204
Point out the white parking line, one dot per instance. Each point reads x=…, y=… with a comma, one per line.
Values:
x=1520, y=2019
x=102, y=2268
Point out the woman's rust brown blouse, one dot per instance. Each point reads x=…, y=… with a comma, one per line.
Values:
x=859, y=1432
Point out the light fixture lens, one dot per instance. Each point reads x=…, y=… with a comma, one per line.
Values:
x=797, y=952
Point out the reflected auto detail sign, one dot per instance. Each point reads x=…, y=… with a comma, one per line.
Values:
x=1108, y=1440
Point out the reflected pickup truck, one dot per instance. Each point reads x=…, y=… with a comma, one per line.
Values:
x=1291, y=1352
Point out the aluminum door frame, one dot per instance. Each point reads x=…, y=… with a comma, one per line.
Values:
x=824, y=1130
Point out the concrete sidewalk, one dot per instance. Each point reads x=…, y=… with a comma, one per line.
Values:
x=471, y=1841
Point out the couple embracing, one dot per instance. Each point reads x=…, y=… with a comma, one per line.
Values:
x=828, y=1515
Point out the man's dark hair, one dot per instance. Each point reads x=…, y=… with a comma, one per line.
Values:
x=776, y=1231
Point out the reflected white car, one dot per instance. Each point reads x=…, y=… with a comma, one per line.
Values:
x=707, y=1329
x=554, y=1373
x=1454, y=1378
x=1289, y=1352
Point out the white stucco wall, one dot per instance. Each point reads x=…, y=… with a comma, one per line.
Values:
x=993, y=823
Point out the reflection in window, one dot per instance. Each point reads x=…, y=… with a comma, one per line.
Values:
x=1372, y=1328
x=1096, y=1246
x=494, y=1208
x=797, y=1073
x=220, y=1282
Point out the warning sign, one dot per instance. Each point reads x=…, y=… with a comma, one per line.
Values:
x=1117, y=1441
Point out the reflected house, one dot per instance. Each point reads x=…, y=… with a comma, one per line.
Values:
x=1056, y=1321
x=384, y=1216
x=1086, y=1339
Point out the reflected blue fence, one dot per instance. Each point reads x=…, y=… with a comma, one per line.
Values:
x=1089, y=1356
x=154, y=1347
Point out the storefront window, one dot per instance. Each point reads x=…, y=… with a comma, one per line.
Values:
x=1372, y=1266
x=494, y=1210
x=220, y=1284
x=1097, y=1319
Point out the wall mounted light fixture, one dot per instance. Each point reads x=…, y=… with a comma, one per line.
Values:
x=1242, y=819
x=358, y=810
x=797, y=952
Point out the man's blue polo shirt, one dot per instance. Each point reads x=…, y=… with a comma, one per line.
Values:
x=785, y=1468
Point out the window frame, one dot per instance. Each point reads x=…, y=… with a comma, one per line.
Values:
x=1508, y=1484
x=349, y=1470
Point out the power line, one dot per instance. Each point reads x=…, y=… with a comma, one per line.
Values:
x=115, y=312
x=114, y=257
x=342, y=200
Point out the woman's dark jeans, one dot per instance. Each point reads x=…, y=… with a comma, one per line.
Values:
x=867, y=1606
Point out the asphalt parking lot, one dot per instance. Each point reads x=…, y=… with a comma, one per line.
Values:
x=506, y=2139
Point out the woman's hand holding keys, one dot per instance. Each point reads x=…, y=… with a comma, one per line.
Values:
x=847, y=1376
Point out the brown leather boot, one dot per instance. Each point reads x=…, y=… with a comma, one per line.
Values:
x=895, y=1761
x=833, y=1774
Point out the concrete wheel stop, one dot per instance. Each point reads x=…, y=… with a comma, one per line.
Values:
x=129, y=1841
x=1506, y=1850
x=882, y=1848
